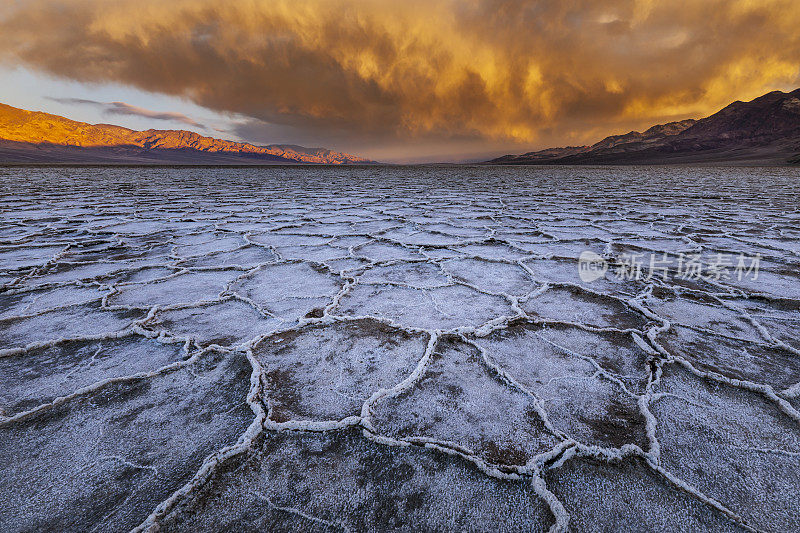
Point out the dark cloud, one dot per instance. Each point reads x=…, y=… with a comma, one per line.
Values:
x=385, y=73
x=121, y=108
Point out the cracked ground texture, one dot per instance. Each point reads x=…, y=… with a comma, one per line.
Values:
x=395, y=348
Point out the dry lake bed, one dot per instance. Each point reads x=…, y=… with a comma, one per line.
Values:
x=400, y=348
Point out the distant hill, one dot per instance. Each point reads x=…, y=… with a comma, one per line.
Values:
x=36, y=137
x=763, y=131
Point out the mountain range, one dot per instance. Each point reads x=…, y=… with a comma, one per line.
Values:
x=36, y=137
x=763, y=131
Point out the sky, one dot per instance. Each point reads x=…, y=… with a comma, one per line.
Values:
x=410, y=81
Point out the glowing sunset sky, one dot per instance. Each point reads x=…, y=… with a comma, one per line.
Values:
x=401, y=81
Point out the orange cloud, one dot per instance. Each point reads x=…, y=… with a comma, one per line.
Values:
x=514, y=71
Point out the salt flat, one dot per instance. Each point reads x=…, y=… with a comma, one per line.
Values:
x=400, y=348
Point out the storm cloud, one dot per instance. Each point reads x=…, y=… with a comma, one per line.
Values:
x=379, y=72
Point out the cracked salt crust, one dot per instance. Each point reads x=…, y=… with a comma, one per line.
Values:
x=361, y=349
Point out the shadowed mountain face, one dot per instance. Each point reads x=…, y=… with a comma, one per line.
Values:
x=763, y=131
x=35, y=137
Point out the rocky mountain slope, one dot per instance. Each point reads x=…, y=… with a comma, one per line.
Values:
x=36, y=137
x=763, y=131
